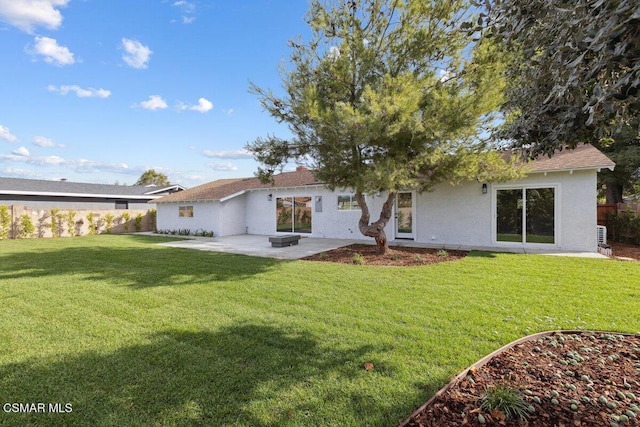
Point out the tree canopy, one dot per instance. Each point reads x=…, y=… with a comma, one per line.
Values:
x=151, y=177
x=575, y=70
x=383, y=98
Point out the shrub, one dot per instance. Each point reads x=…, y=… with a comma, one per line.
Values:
x=442, y=253
x=419, y=259
x=358, y=259
x=26, y=227
x=5, y=222
x=126, y=216
x=108, y=220
x=507, y=400
x=92, y=224
x=70, y=218
x=56, y=223
x=624, y=226
x=153, y=215
x=138, y=222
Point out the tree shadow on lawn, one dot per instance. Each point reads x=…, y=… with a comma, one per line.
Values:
x=134, y=266
x=232, y=376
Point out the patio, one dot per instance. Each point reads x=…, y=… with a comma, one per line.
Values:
x=258, y=245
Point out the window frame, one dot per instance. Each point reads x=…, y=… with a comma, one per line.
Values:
x=352, y=202
x=185, y=211
x=524, y=188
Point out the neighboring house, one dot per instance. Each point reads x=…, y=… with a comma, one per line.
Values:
x=41, y=194
x=553, y=207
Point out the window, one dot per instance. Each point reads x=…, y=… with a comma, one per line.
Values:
x=293, y=214
x=122, y=204
x=347, y=202
x=525, y=215
x=185, y=211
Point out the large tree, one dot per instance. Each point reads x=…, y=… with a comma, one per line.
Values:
x=623, y=147
x=575, y=70
x=386, y=95
x=151, y=177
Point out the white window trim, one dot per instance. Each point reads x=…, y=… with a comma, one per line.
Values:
x=557, y=235
x=352, y=200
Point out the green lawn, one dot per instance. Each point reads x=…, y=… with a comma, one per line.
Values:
x=131, y=333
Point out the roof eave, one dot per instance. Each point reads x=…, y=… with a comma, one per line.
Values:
x=87, y=195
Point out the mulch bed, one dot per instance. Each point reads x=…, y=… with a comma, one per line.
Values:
x=598, y=373
x=625, y=250
x=395, y=255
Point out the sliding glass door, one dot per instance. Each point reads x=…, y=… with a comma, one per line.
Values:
x=526, y=215
x=293, y=214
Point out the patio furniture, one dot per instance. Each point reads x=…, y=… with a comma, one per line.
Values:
x=284, y=240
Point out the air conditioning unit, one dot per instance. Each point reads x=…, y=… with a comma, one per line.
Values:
x=602, y=234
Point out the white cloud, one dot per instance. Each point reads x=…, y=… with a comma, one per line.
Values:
x=22, y=151
x=203, y=106
x=229, y=154
x=22, y=155
x=52, y=52
x=42, y=141
x=188, y=10
x=155, y=102
x=80, y=92
x=136, y=55
x=29, y=14
x=223, y=167
x=6, y=134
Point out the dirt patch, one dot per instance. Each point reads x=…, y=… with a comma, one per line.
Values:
x=581, y=379
x=625, y=250
x=395, y=255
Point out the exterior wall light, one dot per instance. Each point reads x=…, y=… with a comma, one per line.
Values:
x=270, y=197
x=484, y=188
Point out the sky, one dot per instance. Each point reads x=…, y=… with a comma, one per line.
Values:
x=99, y=91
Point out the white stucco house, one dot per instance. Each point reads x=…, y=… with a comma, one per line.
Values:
x=552, y=208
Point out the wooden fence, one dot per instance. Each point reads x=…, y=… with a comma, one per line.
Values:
x=603, y=210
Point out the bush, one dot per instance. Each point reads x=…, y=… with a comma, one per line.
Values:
x=5, y=222
x=153, y=215
x=126, y=216
x=26, y=227
x=70, y=218
x=92, y=224
x=623, y=226
x=108, y=220
x=358, y=259
x=138, y=222
x=56, y=223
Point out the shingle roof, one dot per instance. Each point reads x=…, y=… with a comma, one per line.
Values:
x=67, y=188
x=217, y=190
x=583, y=157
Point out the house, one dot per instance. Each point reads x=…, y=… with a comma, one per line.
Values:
x=42, y=194
x=553, y=208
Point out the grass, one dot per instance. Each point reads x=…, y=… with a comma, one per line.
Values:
x=132, y=333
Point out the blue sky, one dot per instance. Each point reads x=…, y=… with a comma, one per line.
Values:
x=102, y=90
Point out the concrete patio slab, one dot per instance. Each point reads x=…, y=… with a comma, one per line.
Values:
x=258, y=245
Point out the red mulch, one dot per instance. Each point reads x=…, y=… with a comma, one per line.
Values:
x=597, y=372
x=625, y=250
x=395, y=255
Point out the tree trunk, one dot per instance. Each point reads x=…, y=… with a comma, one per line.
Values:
x=376, y=229
x=614, y=193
